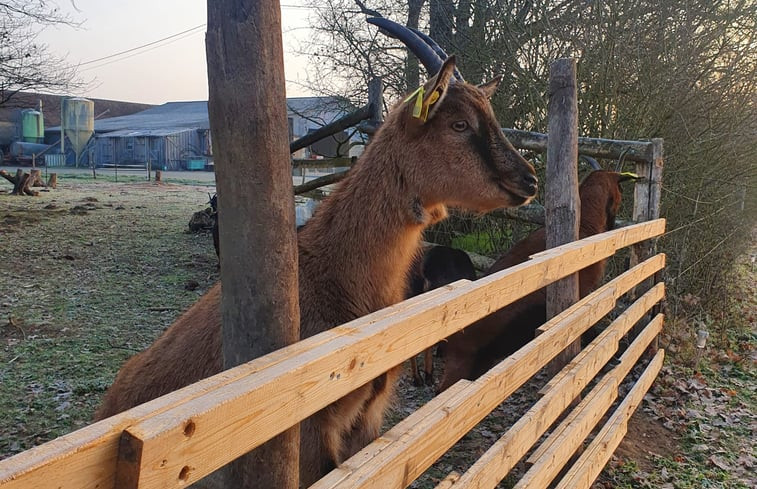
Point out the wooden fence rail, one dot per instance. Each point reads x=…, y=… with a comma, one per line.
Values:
x=177, y=439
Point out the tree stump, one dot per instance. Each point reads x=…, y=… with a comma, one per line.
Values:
x=23, y=182
x=158, y=176
x=52, y=182
x=19, y=181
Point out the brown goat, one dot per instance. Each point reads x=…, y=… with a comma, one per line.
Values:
x=436, y=267
x=355, y=253
x=474, y=350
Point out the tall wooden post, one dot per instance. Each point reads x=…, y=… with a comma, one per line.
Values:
x=562, y=201
x=646, y=206
x=376, y=100
x=247, y=108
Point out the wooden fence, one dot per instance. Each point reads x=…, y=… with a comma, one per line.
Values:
x=175, y=440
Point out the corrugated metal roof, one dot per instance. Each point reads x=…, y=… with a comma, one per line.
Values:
x=194, y=115
x=130, y=133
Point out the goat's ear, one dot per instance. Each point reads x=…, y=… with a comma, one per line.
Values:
x=424, y=102
x=491, y=86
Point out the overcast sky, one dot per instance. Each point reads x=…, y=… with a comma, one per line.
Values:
x=170, y=70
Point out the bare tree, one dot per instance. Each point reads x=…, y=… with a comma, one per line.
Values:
x=684, y=72
x=26, y=64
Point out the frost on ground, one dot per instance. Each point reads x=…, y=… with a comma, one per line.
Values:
x=93, y=272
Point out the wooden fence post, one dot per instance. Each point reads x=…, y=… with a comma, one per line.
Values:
x=562, y=202
x=247, y=109
x=646, y=206
x=376, y=100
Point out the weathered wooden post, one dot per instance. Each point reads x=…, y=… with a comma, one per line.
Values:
x=646, y=206
x=376, y=100
x=562, y=202
x=247, y=108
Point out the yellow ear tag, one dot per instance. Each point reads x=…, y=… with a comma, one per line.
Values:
x=433, y=98
x=418, y=108
x=431, y=101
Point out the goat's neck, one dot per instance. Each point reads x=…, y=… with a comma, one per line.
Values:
x=367, y=233
x=594, y=218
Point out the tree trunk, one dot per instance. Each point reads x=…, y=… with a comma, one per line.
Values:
x=247, y=108
x=412, y=74
x=19, y=181
x=441, y=19
x=562, y=201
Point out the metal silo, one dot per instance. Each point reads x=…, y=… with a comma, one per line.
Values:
x=32, y=126
x=78, y=123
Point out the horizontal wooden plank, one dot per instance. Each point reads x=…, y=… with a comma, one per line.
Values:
x=86, y=458
x=502, y=456
x=627, y=281
x=596, y=147
x=634, y=350
x=592, y=461
x=563, y=442
x=324, y=163
x=643, y=270
x=224, y=424
x=399, y=464
x=397, y=434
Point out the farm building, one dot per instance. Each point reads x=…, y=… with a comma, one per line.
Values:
x=12, y=120
x=176, y=135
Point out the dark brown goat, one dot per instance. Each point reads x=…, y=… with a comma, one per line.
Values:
x=473, y=351
x=438, y=266
x=355, y=253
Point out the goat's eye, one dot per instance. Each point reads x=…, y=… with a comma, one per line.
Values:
x=459, y=126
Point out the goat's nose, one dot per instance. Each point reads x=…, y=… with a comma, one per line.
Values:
x=531, y=183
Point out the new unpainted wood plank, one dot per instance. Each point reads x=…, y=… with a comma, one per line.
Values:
x=557, y=450
x=395, y=435
x=628, y=279
x=620, y=326
x=592, y=461
x=440, y=428
x=502, y=456
x=224, y=424
x=86, y=458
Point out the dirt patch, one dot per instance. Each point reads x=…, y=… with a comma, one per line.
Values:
x=645, y=440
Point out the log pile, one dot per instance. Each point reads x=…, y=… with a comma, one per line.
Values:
x=24, y=182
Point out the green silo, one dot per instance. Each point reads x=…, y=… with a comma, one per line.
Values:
x=32, y=126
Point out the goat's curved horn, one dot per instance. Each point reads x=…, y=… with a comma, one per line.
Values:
x=414, y=43
x=437, y=49
x=594, y=164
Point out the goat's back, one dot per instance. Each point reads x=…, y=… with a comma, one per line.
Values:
x=191, y=347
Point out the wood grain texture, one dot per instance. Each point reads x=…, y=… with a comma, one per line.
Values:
x=283, y=388
x=592, y=461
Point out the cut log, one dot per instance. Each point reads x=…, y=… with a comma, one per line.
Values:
x=8, y=176
x=158, y=176
x=52, y=182
x=23, y=182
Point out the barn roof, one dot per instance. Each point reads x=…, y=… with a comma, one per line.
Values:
x=174, y=116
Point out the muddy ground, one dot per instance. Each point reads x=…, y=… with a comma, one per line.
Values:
x=94, y=271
